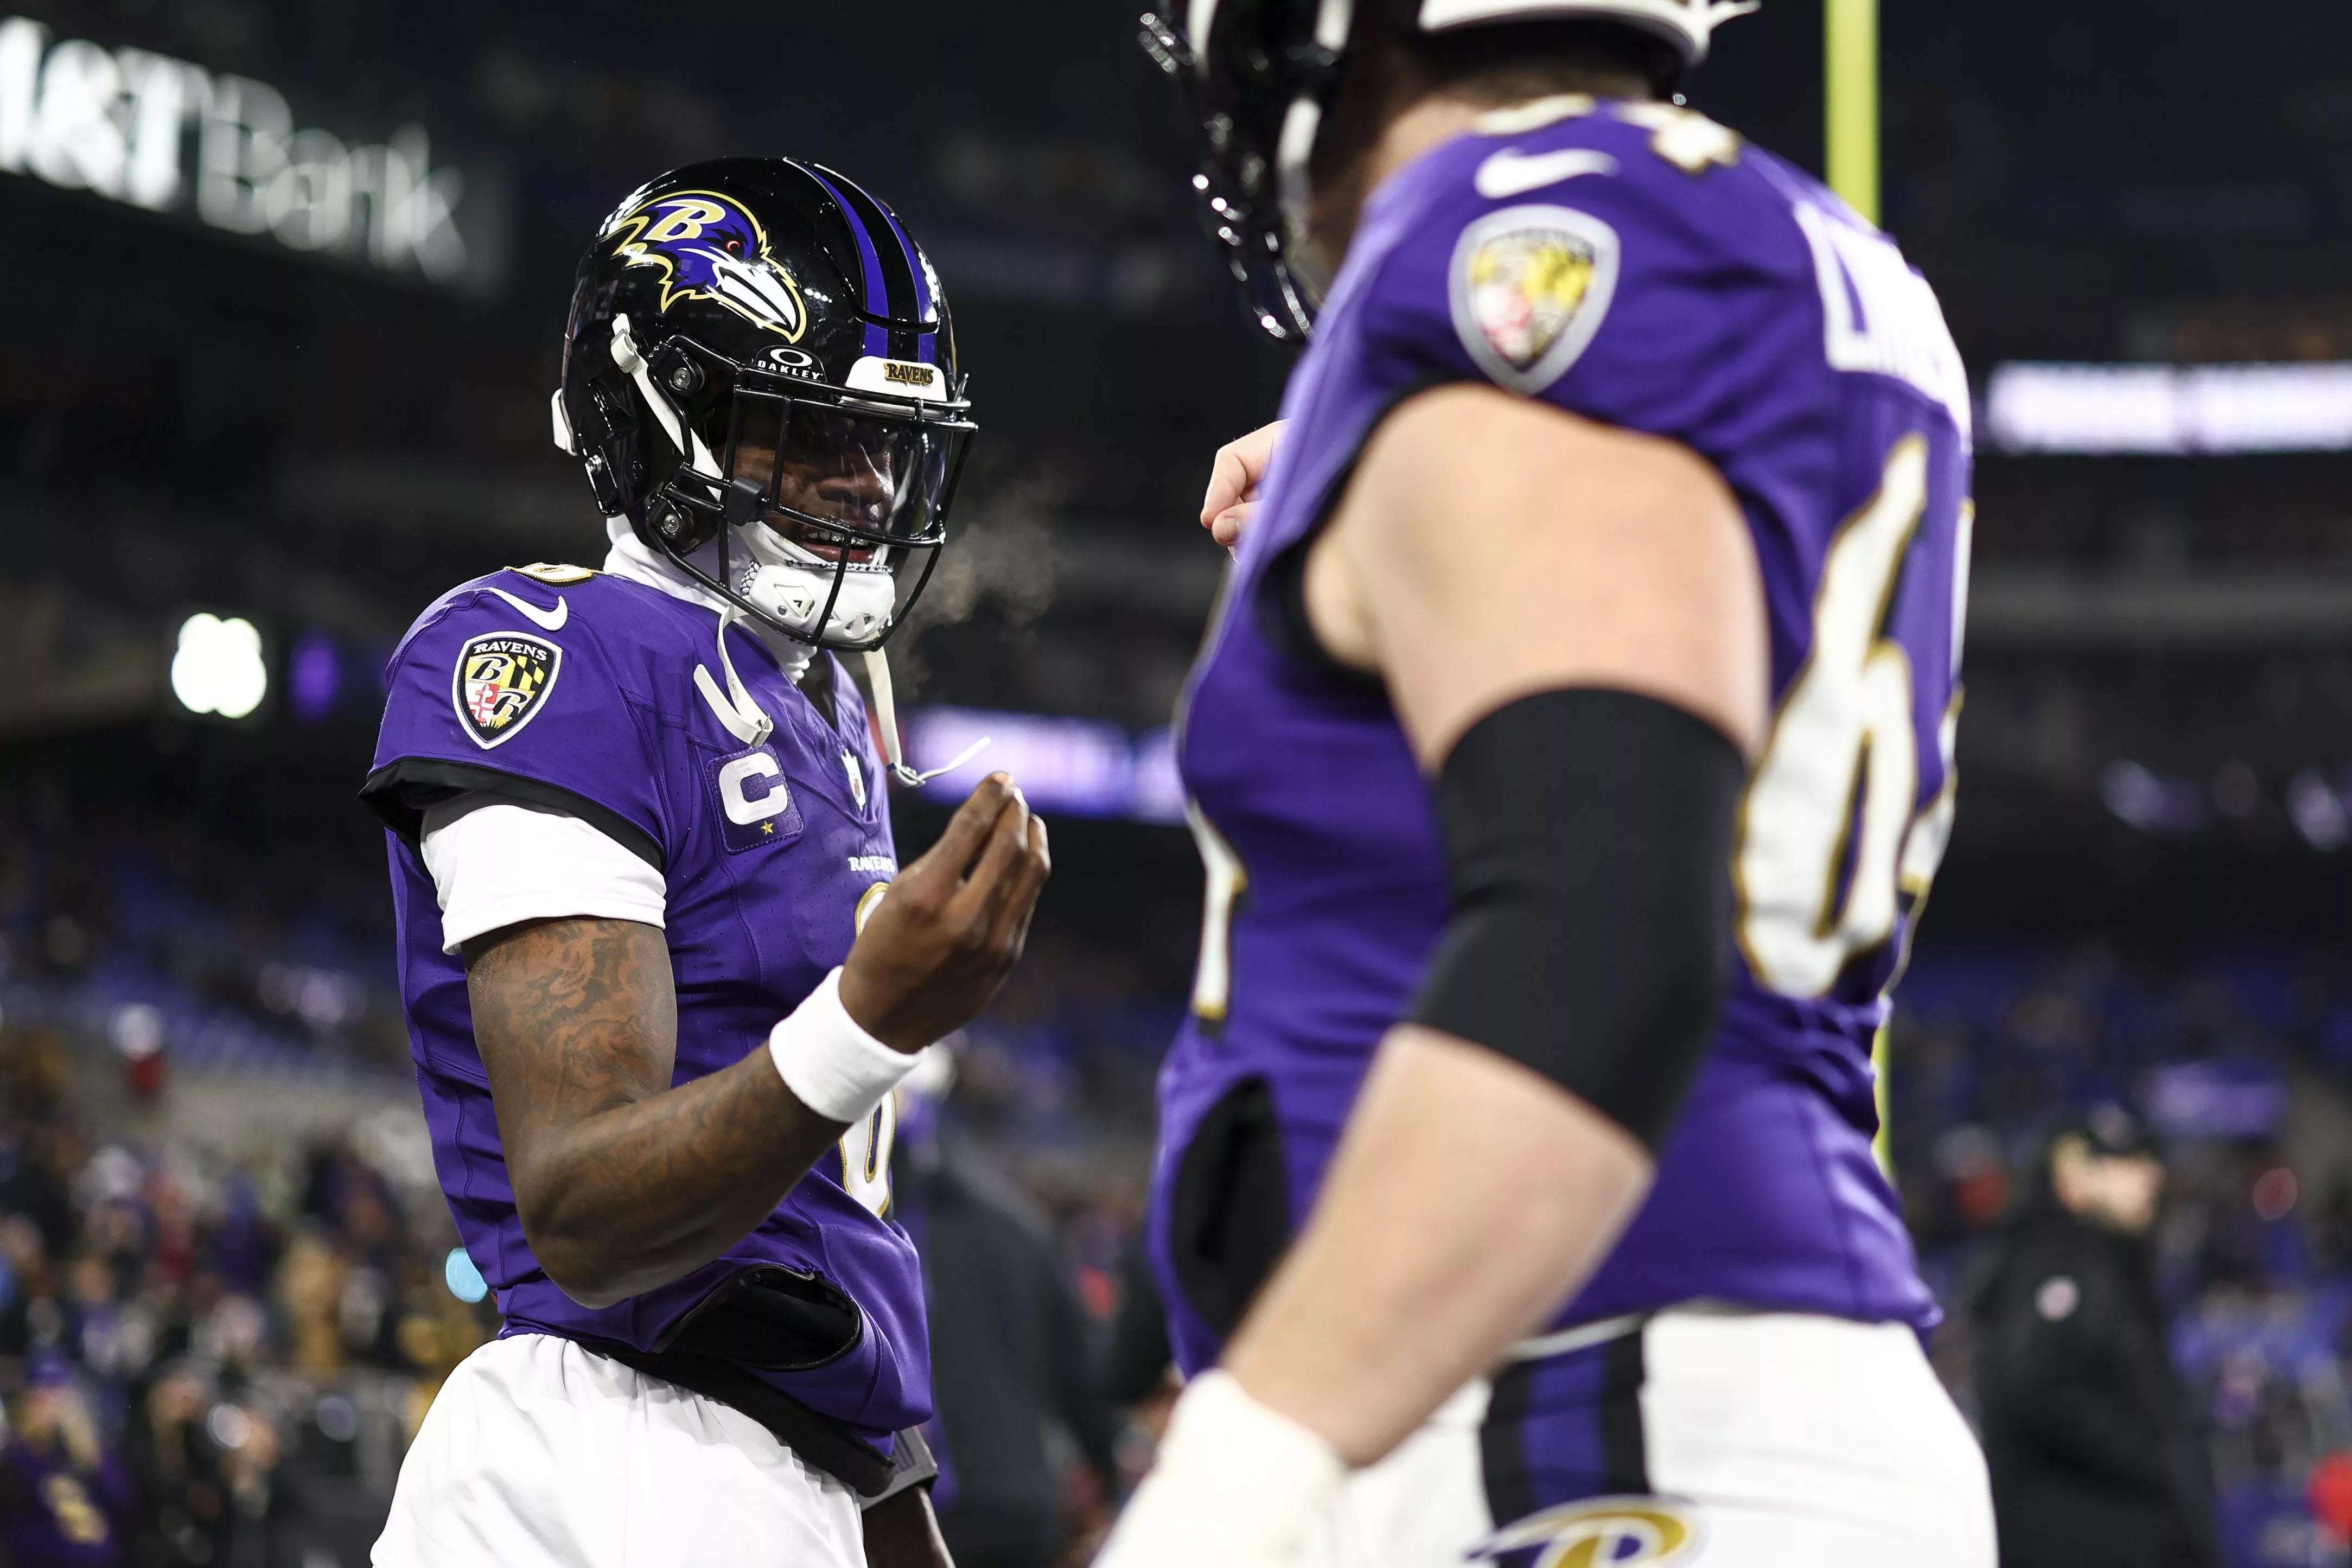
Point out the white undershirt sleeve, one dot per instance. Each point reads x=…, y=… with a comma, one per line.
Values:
x=496, y=861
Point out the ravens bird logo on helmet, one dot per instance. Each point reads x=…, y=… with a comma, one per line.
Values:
x=709, y=247
x=760, y=376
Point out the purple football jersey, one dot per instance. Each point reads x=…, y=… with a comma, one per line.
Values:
x=1639, y=266
x=587, y=694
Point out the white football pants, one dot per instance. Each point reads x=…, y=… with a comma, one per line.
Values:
x=538, y=1453
x=1752, y=1440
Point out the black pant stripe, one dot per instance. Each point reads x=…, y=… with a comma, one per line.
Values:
x=1502, y=1446
x=1624, y=1451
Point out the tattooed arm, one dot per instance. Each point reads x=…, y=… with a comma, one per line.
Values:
x=624, y=1183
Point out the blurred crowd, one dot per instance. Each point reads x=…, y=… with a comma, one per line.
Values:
x=2240, y=1063
x=212, y=1345
x=206, y=1359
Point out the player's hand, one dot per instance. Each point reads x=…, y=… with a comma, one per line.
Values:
x=951, y=928
x=1234, y=1485
x=1234, y=478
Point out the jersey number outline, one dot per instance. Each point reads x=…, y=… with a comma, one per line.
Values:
x=866, y=1147
x=865, y=1156
x=1839, y=780
x=1228, y=880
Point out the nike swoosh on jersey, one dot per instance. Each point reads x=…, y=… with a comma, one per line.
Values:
x=546, y=620
x=1511, y=172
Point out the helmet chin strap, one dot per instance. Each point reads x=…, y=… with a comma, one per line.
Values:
x=886, y=714
x=681, y=436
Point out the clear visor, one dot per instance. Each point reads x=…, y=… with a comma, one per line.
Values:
x=880, y=479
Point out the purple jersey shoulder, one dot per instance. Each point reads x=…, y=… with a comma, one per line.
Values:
x=557, y=684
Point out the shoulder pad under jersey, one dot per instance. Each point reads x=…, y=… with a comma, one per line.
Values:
x=506, y=686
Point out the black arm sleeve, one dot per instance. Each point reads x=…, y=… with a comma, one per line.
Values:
x=1589, y=834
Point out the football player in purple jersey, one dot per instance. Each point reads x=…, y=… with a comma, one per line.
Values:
x=1570, y=755
x=640, y=841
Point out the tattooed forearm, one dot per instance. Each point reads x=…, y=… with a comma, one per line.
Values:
x=624, y=1182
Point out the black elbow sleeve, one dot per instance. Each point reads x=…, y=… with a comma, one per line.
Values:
x=1589, y=837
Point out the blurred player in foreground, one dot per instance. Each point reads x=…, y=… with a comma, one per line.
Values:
x=640, y=840
x=1570, y=758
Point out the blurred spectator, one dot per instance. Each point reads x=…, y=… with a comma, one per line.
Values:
x=2097, y=1461
x=1141, y=1360
x=184, y=1501
x=1012, y=1362
x=65, y=1494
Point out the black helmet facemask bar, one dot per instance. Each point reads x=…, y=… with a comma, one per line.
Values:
x=1241, y=196
x=854, y=471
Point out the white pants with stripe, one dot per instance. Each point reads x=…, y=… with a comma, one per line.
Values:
x=1767, y=1440
x=538, y=1453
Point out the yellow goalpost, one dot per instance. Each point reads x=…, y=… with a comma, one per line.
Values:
x=1850, y=102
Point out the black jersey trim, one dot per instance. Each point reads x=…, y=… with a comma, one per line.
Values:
x=770, y=1316
x=1229, y=1207
x=400, y=793
x=1279, y=599
x=824, y=1443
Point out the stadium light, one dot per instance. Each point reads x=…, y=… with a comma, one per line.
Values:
x=314, y=676
x=1081, y=767
x=218, y=668
x=2165, y=410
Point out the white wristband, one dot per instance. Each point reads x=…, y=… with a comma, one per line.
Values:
x=1236, y=1484
x=836, y=1068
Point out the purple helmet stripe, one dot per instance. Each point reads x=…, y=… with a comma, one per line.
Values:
x=914, y=265
x=877, y=294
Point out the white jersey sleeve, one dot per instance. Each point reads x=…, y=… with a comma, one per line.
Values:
x=495, y=862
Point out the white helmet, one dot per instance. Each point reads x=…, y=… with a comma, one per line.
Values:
x=1686, y=24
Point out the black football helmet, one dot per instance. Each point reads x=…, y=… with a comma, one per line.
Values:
x=1258, y=75
x=760, y=358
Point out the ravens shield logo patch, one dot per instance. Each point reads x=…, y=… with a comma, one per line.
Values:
x=502, y=682
x=1530, y=286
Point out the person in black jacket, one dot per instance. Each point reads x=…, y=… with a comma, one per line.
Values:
x=2096, y=1459
x=1013, y=1356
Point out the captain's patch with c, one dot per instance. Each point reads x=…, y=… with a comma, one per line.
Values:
x=755, y=803
x=502, y=682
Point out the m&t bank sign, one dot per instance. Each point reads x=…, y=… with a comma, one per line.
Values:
x=152, y=131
